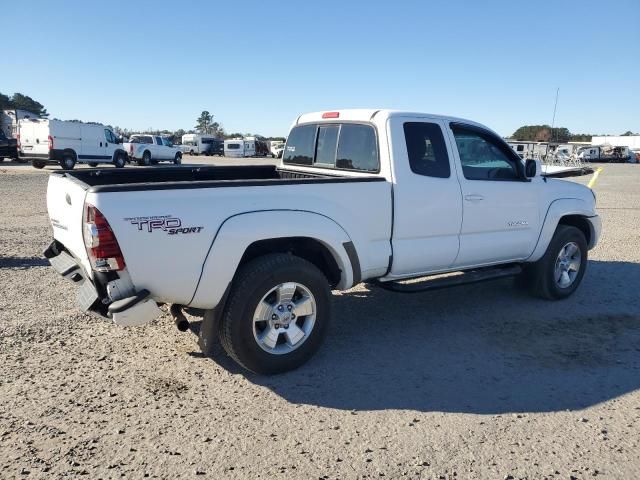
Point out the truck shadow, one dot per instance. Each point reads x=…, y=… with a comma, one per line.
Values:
x=485, y=348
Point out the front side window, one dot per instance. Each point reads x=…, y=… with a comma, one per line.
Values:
x=326, y=146
x=426, y=149
x=300, y=145
x=483, y=157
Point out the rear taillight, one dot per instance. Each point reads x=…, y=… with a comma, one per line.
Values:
x=131, y=149
x=100, y=241
x=18, y=141
x=50, y=140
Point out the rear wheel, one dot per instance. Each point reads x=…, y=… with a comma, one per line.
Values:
x=146, y=159
x=276, y=315
x=119, y=161
x=561, y=269
x=93, y=164
x=38, y=164
x=68, y=161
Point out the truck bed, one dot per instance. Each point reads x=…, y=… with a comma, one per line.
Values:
x=170, y=178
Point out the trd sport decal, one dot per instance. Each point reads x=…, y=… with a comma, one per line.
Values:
x=166, y=223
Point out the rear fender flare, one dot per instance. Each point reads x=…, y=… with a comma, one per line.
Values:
x=558, y=209
x=238, y=232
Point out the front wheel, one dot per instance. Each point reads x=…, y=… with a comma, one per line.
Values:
x=93, y=164
x=561, y=269
x=178, y=159
x=276, y=315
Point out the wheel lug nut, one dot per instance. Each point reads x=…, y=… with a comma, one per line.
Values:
x=289, y=307
x=286, y=327
x=274, y=317
x=280, y=308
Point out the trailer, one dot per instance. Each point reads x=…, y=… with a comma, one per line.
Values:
x=605, y=153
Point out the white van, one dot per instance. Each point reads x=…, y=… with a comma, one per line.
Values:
x=239, y=148
x=47, y=141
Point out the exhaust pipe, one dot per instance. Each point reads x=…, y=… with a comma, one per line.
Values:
x=178, y=317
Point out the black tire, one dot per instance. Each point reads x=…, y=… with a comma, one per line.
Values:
x=178, y=159
x=146, y=159
x=68, y=161
x=39, y=164
x=120, y=160
x=93, y=164
x=252, y=282
x=539, y=277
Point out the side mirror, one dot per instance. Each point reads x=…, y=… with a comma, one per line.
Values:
x=532, y=168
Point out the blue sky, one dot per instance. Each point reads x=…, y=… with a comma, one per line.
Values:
x=257, y=65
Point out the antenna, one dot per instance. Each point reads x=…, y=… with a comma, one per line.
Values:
x=555, y=106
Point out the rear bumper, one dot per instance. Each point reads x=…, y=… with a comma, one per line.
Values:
x=92, y=295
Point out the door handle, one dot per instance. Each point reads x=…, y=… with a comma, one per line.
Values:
x=474, y=197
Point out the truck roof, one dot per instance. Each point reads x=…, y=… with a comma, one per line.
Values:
x=369, y=114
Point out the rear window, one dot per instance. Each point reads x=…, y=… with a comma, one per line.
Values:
x=141, y=139
x=357, y=148
x=342, y=146
x=326, y=145
x=300, y=145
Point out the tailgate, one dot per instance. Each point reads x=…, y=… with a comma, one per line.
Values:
x=65, y=204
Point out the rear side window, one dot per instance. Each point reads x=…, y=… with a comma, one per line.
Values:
x=300, y=145
x=357, y=149
x=158, y=141
x=233, y=146
x=342, y=146
x=426, y=149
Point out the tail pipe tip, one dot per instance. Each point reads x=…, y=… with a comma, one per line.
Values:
x=178, y=317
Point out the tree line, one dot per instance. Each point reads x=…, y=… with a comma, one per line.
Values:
x=545, y=133
x=206, y=125
x=18, y=101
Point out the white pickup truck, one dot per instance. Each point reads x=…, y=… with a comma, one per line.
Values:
x=150, y=149
x=360, y=195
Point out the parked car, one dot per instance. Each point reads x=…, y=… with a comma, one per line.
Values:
x=45, y=142
x=151, y=149
x=8, y=147
x=360, y=195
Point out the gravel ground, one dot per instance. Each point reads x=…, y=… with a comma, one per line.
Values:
x=474, y=382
